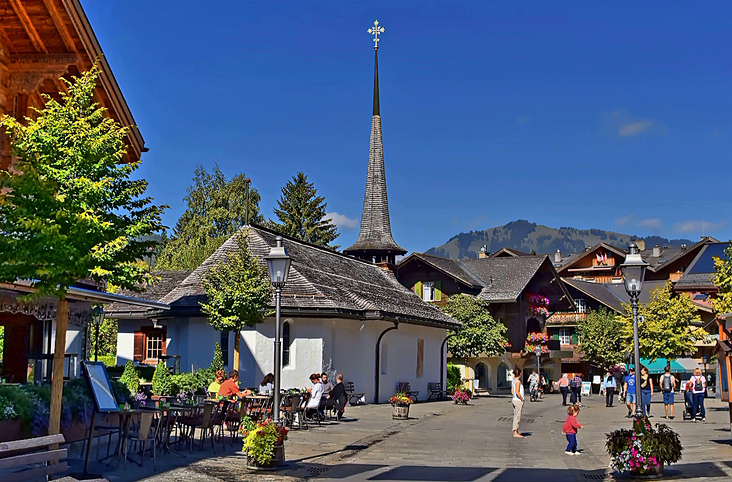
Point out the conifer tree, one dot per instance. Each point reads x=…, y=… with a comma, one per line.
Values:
x=301, y=213
x=162, y=382
x=218, y=359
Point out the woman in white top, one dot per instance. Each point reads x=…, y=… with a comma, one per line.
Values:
x=265, y=388
x=316, y=394
x=517, y=390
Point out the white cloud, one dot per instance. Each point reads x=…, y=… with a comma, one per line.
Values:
x=654, y=224
x=699, y=226
x=342, y=221
x=624, y=220
x=634, y=128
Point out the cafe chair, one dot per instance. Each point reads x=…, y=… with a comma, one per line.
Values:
x=146, y=432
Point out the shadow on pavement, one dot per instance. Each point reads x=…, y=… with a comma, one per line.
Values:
x=418, y=472
x=341, y=471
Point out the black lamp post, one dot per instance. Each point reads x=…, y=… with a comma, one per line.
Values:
x=634, y=271
x=705, y=360
x=278, y=263
x=97, y=318
x=537, y=352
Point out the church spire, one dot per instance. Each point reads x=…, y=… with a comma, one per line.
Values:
x=375, y=241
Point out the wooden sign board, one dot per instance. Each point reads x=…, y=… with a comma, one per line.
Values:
x=101, y=388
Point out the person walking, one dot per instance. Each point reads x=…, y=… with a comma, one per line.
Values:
x=576, y=386
x=646, y=391
x=610, y=386
x=668, y=385
x=569, y=429
x=619, y=379
x=517, y=390
x=534, y=386
x=629, y=390
x=564, y=388
x=697, y=393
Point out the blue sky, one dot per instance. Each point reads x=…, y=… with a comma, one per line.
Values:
x=611, y=115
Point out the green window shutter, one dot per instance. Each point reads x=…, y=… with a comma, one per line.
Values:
x=574, y=338
x=418, y=288
x=555, y=335
x=438, y=290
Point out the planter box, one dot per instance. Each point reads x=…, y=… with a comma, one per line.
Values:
x=654, y=473
x=277, y=460
x=11, y=430
x=400, y=413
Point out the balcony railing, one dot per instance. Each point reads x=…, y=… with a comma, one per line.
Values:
x=565, y=318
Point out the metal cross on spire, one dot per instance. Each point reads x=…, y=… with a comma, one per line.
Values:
x=375, y=31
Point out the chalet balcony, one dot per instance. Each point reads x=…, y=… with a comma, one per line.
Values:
x=561, y=319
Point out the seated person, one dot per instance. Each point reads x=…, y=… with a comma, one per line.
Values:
x=327, y=386
x=265, y=388
x=230, y=387
x=213, y=388
x=337, y=397
x=313, y=408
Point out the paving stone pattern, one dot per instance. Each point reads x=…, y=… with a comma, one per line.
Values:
x=442, y=441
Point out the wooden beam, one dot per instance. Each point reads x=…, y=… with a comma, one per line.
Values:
x=60, y=25
x=28, y=25
x=57, y=380
x=6, y=40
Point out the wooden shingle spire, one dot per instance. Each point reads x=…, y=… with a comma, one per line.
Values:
x=375, y=241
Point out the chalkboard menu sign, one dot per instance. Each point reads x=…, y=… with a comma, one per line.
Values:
x=101, y=388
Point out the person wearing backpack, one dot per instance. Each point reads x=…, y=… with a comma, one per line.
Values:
x=668, y=385
x=610, y=386
x=576, y=387
x=697, y=394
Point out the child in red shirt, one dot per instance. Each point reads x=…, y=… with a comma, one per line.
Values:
x=570, y=429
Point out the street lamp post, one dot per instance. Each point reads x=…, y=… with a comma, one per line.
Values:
x=634, y=271
x=705, y=360
x=97, y=318
x=278, y=263
x=537, y=351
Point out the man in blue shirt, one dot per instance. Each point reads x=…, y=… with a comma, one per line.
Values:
x=630, y=392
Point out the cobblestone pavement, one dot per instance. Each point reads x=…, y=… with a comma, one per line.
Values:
x=442, y=441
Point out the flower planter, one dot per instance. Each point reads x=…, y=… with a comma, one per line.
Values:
x=278, y=459
x=652, y=473
x=11, y=430
x=400, y=412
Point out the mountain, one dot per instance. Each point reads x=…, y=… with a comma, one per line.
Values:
x=528, y=237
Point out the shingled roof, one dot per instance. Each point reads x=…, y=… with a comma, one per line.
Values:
x=505, y=278
x=375, y=235
x=321, y=282
x=166, y=281
x=446, y=265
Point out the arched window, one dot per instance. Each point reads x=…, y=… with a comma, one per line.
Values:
x=286, y=344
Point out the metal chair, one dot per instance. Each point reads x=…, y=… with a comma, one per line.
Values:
x=146, y=432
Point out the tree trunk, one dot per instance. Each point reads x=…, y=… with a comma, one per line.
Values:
x=237, y=341
x=57, y=380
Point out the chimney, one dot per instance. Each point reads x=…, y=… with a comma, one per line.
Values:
x=683, y=247
x=656, y=251
x=483, y=253
x=557, y=257
x=641, y=243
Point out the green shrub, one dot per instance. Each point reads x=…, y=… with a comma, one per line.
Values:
x=20, y=399
x=108, y=360
x=130, y=378
x=453, y=376
x=218, y=359
x=194, y=382
x=162, y=382
x=121, y=392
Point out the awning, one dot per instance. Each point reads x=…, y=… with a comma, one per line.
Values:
x=658, y=366
x=689, y=364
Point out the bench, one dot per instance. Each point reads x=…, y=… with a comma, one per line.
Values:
x=32, y=459
x=403, y=387
x=354, y=395
x=435, y=389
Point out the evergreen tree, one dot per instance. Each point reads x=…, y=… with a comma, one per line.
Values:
x=218, y=359
x=130, y=378
x=216, y=209
x=238, y=292
x=301, y=213
x=162, y=382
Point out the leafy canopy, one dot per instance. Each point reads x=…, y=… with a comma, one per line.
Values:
x=70, y=210
x=480, y=333
x=723, y=279
x=601, y=340
x=238, y=290
x=216, y=209
x=301, y=213
x=668, y=330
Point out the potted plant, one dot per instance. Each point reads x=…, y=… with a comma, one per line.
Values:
x=263, y=444
x=400, y=403
x=643, y=450
x=461, y=396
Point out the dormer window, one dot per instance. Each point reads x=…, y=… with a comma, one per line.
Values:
x=428, y=291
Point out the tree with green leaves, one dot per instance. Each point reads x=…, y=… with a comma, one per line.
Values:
x=238, y=293
x=216, y=209
x=130, y=377
x=301, y=213
x=723, y=279
x=601, y=340
x=107, y=338
x=668, y=329
x=480, y=333
x=69, y=209
x=218, y=359
x=162, y=381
